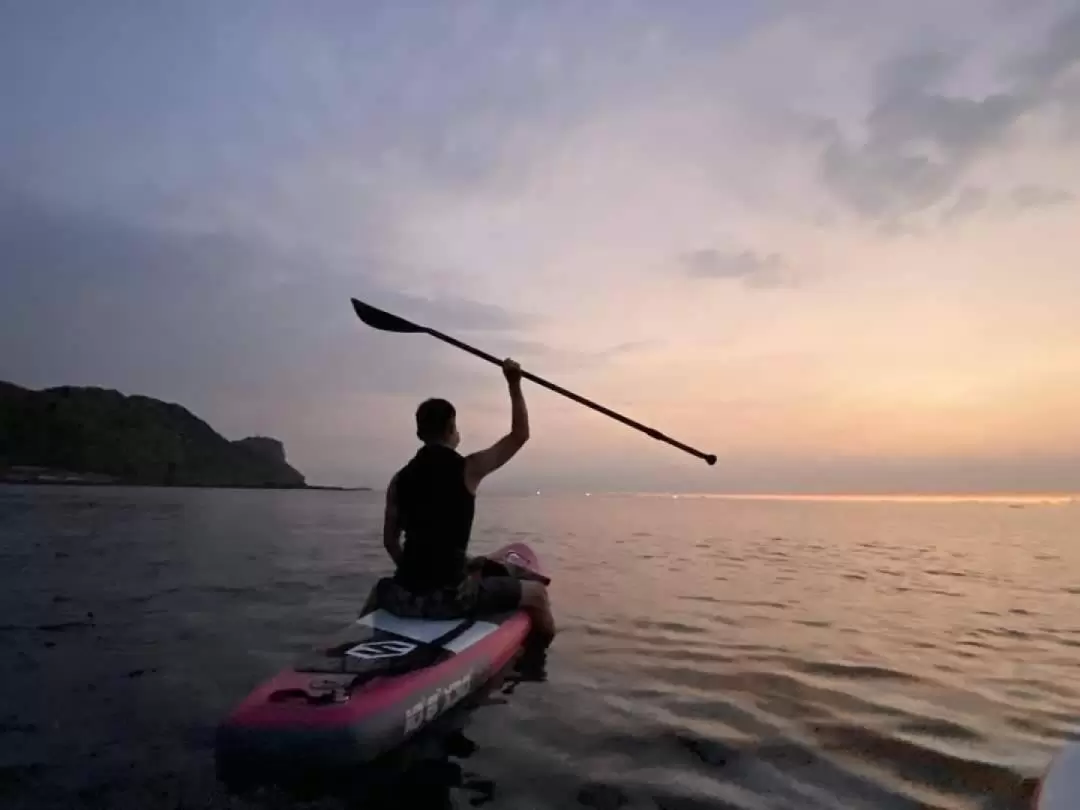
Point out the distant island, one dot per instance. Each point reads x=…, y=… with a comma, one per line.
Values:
x=87, y=435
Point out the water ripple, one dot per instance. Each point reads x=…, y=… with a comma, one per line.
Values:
x=713, y=654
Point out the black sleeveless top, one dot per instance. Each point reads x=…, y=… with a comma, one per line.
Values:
x=435, y=511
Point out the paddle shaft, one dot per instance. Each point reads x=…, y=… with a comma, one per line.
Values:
x=648, y=431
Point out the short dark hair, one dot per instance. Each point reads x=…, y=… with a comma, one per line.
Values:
x=433, y=419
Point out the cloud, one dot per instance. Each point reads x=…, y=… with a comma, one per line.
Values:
x=1043, y=67
x=753, y=269
x=971, y=200
x=448, y=312
x=630, y=347
x=1034, y=196
x=86, y=298
x=968, y=201
x=920, y=140
x=541, y=357
x=918, y=145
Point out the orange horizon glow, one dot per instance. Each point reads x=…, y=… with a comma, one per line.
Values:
x=1050, y=498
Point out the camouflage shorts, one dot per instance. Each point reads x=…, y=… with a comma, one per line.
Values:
x=485, y=587
x=445, y=603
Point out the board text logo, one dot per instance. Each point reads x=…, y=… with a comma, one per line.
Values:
x=428, y=708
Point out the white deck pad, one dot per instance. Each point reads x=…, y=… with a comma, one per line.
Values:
x=427, y=630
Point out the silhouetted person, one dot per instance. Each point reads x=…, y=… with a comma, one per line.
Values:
x=431, y=500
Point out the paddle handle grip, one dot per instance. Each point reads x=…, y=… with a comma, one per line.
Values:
x=709, y=458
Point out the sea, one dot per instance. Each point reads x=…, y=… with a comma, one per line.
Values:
x=713, y=653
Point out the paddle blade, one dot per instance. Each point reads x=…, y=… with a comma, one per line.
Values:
x=377, y=319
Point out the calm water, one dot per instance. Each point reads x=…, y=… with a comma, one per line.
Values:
x=713, y=654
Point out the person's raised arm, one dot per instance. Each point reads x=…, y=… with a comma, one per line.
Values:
x=391, y=524
x=481, y=464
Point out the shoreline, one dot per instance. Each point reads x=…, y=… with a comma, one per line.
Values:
x=129, y=484
x=1016, y=498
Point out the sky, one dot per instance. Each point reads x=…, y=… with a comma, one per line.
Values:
x=831, y=241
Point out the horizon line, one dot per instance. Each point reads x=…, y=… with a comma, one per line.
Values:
x=1001, y=497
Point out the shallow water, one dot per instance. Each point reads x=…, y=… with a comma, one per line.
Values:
x=712, y=653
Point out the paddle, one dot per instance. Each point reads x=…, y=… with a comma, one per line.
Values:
x=384, y=321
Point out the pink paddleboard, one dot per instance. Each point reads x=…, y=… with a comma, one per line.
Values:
x=373, y=686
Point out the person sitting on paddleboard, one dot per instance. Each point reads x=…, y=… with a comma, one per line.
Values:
x=431, y=500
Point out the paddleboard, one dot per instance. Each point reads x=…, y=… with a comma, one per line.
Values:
x=1059, y=788
x=374, y=685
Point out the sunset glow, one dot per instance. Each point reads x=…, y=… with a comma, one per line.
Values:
x=833, y=243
